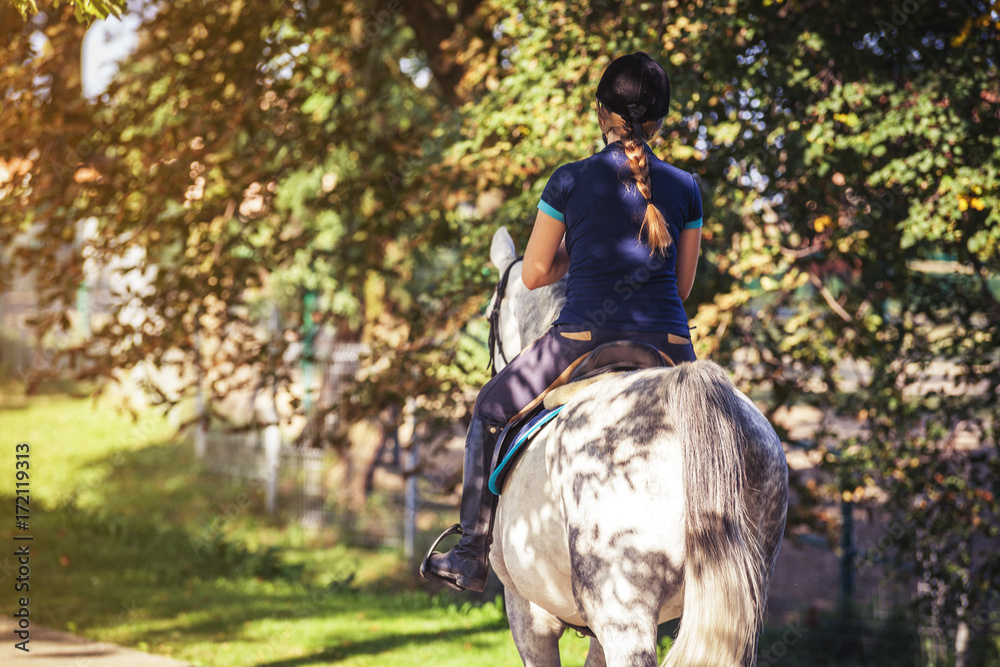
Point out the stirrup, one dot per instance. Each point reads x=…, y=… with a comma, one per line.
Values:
x=425, y=570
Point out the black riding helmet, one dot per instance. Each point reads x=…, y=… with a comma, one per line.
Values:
x=636, y=88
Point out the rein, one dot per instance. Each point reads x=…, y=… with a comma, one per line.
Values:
x=495, y=341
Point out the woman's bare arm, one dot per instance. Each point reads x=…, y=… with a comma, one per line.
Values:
x=688, y=249
x=545, y=258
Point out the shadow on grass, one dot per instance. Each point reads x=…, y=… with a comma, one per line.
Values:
x=163, y=483
x=144, y=551
x=384, y=644
x=147, y=554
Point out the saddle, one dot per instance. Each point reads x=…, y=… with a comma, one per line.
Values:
x=615, y=357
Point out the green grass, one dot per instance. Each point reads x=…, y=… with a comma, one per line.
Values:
x=134, y=544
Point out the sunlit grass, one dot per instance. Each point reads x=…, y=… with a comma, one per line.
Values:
x=134, y=544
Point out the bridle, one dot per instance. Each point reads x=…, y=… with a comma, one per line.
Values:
x=495, y=340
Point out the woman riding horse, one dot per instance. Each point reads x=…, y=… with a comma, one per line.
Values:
x=626, y=226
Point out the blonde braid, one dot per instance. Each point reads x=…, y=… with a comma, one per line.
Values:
x=653, y=222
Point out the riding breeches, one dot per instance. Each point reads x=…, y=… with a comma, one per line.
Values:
x=540, y=364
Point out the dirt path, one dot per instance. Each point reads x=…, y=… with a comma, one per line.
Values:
x=50, y=647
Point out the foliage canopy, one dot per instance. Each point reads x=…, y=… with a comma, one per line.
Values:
x=849, y=155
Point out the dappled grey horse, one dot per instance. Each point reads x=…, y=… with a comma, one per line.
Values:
x=654, y=494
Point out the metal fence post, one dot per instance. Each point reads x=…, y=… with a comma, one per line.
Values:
x=272, y=455
x=309, y=332
x=272, y=433
x=410, y=470
x=849, y=548
x=199, y=393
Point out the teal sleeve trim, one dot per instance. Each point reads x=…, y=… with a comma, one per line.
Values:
x=694, y=224
x=548, y=209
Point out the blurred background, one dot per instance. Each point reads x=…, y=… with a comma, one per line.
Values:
x=244, y=270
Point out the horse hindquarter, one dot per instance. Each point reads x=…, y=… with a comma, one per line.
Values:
x=529, y=552
x=656, y=494
x=590, y=525
x=617, y=467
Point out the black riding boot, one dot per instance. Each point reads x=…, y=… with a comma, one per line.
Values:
x=465, y=566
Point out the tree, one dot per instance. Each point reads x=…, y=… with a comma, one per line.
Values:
x=367, y=152
x=83, y=10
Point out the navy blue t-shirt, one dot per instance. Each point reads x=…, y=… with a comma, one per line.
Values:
x=614, y=282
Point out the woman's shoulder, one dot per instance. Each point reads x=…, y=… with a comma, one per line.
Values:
x=576, y=171
x=670, y=168
x=582, y=164
x=677, y=176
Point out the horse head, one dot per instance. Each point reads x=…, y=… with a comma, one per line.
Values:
x=518, y=315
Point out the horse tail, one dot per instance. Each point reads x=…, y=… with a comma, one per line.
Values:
x=725, y=576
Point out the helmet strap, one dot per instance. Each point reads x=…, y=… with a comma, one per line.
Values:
x=636, y=111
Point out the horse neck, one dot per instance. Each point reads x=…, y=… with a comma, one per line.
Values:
x=536, y=310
